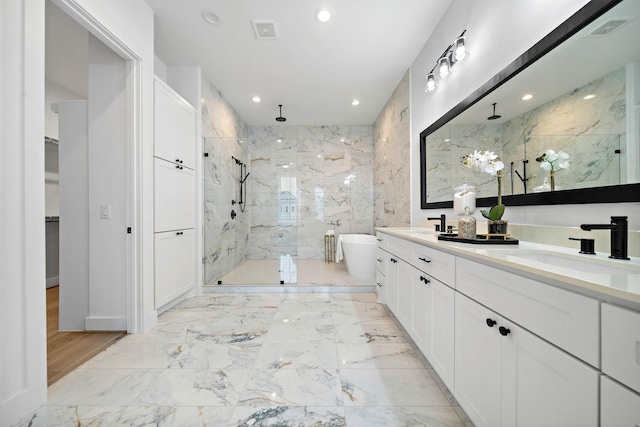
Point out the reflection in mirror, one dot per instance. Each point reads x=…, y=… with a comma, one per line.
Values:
x=584, y=99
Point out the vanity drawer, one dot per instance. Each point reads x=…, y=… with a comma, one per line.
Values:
x=621, y=345
x=381, y=261
x=435, y=263
x=395, y=246
x=382, y=240
x=566, y=319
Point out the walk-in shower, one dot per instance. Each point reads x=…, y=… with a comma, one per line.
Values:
x=288, y=185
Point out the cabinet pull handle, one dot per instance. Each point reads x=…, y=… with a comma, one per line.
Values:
x=379, y=284
x=378, y=259
x=491, y=322
x=393, y=260
x=177, y=160
x=504, y=331
x=425, y=280
x=177, y=166
x=379, y=240
x=425, y=260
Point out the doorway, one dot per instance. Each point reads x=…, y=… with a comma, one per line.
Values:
x=86, y=112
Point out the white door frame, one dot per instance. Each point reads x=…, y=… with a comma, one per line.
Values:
x=134, y=156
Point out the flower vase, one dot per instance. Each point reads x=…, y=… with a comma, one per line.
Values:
x=552, y=180
x=497, y=227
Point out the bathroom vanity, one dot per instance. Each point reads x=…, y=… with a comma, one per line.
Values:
x=521, y=335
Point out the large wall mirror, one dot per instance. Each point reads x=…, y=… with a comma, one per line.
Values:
x=584, y=85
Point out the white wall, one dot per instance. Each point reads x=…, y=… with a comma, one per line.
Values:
x=23, y=373
x=497, y=33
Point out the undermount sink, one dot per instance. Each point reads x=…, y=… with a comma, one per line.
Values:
x=581, y=263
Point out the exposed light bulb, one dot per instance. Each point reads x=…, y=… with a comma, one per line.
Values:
x=431, y=83
x=444, y=67
x=459, y=49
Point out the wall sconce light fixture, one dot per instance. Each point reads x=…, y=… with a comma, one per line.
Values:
x=454, y=53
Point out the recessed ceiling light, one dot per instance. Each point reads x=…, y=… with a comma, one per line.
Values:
x=285, y=166
x=210, y=16
x=589, y=96
x=256, y=99
x=527, y=97
x=278, y=140
x=323, y=15
x=355, y=102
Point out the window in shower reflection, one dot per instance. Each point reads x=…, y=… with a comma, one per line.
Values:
x=288, y=208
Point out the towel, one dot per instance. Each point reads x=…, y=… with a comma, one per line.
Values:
x=339, y=255
x=330, y=233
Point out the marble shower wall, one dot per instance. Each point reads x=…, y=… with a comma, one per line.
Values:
x=590, y=131
x=225, y=239
x=391, y=165
x=303, y=178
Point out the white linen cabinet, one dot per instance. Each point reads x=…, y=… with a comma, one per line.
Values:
x=174, y=194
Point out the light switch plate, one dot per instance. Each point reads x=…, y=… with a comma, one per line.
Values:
x=105, y=211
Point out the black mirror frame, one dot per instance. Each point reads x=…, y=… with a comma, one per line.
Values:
x=608, y=194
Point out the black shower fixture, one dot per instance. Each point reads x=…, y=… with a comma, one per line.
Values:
x=280, y=118
x=494, y=116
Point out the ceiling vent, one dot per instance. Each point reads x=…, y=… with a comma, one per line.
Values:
x=265, y=30
x=608, y=27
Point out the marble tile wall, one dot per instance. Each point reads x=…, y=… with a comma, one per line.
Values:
x=329, y=172
x=589, y=130
x=391, y=170
x=225, y=239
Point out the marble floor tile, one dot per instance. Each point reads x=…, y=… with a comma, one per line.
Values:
x=186, y=317
x=298, y=416
x=380, y=356
x=386, y=416
x=376, y=333
x=101, y=386
x=245, y=316
x=308, y=305
x=211, y=355
x=169, y=334
x=390, y=387
x=368, y=317
x=299, y=333
x=132, y=416
x=314, y=317
x=316, y=355
x=226, y=334
x=292, y=387
x=182, y=387
x=136, y=355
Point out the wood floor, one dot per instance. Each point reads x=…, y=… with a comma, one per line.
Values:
x=68, y=350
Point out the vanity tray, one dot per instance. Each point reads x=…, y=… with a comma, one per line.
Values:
x=481, y=239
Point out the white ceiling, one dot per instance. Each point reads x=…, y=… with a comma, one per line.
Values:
x=315, y=70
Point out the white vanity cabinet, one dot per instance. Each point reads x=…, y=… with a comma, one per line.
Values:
x=175, y=269
x=619, y=406
x=506, y=376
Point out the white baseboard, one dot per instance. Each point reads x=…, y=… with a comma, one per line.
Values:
x=52, y=281
x=105, y=323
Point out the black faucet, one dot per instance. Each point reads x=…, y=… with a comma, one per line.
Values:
x=618, y=229
x=443, y=223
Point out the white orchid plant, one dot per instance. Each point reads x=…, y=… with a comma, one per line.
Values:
x=551, y=161
x=488, y=161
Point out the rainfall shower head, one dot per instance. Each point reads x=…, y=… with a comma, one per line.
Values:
x=280, y=118
x=494, y=116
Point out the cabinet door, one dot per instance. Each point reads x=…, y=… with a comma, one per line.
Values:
x=163, y=123
x=392, y=284
x=420, y=324
x=544, y=386
x=381, y=288
x=440, y=327
x=185, y=134
x=619, y=406
x=185, y=261
x=185, y=198
x=164, y=196
x=164, y=268
x=478, y=362
x=405, y=275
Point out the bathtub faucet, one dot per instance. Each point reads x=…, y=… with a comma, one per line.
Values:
x=337, y=223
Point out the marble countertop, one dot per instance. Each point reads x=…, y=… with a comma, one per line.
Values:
x=598, y=276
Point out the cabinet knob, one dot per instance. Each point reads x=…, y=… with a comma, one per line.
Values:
x=504, y=331
x=177, y=166
x=425, y=280
x=177, y=160
x=491, y=322
x=425, y=260
x=379, y=284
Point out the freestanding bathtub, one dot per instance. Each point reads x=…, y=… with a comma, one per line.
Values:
x=359, y=251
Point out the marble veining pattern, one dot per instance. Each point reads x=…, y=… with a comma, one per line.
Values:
x=289, y=359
